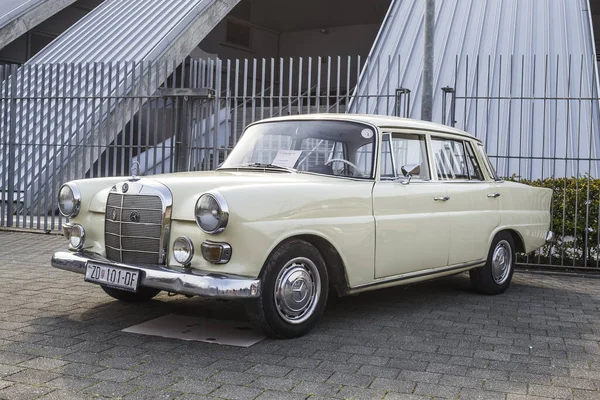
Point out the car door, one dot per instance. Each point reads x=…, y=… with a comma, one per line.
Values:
x=411, y=226
x=473, y=208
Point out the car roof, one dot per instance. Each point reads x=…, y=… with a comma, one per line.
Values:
x=381, y=121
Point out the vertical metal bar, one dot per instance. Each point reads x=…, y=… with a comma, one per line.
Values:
x=236, y=102
x=272, y=84
x=12, y=138
x=254, y=74
x=509, y=120
x=318, y=93
x=348, y=72
x=389, y=89
x=21, y=150
x=290, y=87
x=217, y=103
x=262, y=89
x=309, y=84
x=337, y=89
x=228, y=104
x=577, y=157
x=280, y=85
x=328, y=80
x=498, y=117
x=245, y=92
x=299, y=98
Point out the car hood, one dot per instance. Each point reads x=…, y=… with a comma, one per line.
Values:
x=187, y=187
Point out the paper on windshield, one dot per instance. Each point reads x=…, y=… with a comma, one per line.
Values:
x=287, y=158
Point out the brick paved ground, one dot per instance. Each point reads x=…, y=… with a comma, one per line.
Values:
x=61, y=339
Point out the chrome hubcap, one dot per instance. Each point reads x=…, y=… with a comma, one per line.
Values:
x=501, y=262
x=297, y=290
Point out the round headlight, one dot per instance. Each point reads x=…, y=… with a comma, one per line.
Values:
x=69, y=200
x=77, y=237
x=212, y=212
x=183, y=250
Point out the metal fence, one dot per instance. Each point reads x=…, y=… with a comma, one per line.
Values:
x=537, y=116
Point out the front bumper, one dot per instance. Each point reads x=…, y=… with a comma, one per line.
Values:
x=183, y=281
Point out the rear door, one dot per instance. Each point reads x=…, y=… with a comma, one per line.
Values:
x=473, y=206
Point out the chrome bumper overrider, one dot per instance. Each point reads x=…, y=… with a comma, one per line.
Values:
x=550, y=238
x=188, y=282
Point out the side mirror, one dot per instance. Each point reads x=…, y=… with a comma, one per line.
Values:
x=409, y=170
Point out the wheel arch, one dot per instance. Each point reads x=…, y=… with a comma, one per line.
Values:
x=336, y=268
x=516, y=236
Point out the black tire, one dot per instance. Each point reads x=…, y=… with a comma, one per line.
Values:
x=298, y=261
x=495, y=280
x=144, y=293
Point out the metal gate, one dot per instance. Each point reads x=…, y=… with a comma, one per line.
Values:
x=537, y=116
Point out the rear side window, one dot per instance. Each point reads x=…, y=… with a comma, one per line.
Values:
x=487, y=163
x=455, y=160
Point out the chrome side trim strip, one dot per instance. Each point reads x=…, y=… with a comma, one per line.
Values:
x=183, y=281
x=418, y=274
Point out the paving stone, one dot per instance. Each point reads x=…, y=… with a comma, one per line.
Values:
x=71, y=383
x=278, y=384
x=20, y=391
x=236, y=392
x=194, y=386
x=43, y=363
x=275, y=395
x=431, y=339
x=110, y=389
x=152, y=394
x=321, y=389
x=115, y=375
x=359, y=393
x=232, y=377
x=549, y=391
x=32, y=376
x=65, y=395
x=393, y=385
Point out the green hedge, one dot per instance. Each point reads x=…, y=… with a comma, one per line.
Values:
x=575, y=204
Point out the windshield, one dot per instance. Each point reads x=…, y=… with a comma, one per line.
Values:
x=337, y=148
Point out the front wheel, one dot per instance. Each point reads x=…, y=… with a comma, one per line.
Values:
x=144, y=293
x=495, y=276
x=294, y=291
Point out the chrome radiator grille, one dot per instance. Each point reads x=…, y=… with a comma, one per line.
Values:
x=133, y=227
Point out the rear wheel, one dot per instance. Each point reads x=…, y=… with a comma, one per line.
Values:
x=144, y=293
x=294, y=291
x=495, y=276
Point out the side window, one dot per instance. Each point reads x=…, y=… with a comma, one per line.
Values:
x=487, y=163
x=472, y=164
x=455, y=159
x=399, y=150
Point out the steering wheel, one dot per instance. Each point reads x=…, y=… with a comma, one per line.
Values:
x=357, y=171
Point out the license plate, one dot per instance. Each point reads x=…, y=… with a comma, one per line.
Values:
x=115, y=277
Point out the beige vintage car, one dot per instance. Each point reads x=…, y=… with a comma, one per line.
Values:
x=303, y=206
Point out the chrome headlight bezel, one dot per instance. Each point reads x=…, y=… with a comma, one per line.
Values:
x=78, y=245
x=222, y=211
x=185, y=242
x=76, y=195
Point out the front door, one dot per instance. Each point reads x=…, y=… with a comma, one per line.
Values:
x=411, y=224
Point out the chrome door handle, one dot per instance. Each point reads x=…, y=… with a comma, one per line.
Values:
x=442, y=198
x=493, y=195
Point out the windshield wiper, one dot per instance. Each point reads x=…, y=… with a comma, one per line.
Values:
x=260, y=165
